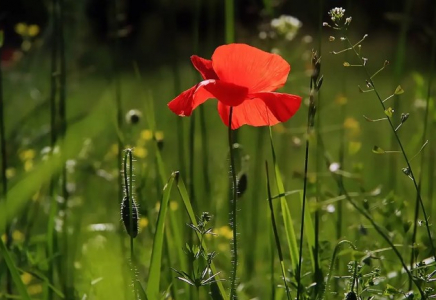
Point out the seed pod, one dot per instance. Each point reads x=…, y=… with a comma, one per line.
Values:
x=133, y=116
x=242, y=185
x=351, y=296
x=125, y=215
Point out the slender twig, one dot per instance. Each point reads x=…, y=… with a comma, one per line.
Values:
x=233, y=202
x=63, y=129
x=303, y=208
x=314, y=88
x=332, y=263
x=318, y=276
x=409, y=167
x=367, y=216
x=51, y=236
x=398, y=70
x=128, y=190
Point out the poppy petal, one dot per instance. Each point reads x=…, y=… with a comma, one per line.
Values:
x=264, y=109
x=204, y=66
x=227, y=93
x=247, y=66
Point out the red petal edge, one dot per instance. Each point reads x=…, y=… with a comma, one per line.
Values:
x=263, y=109
x=248, y=66
x=204, y=66
x=227, y=93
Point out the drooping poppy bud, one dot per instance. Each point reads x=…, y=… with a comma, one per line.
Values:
x=131, y=227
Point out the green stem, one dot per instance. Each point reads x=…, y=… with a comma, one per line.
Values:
x=398, y=70
x=424, y=137
x=233, y=220
x=303, y=208
x=128, y=190
x=397, y=138
x=63, y=129
x=53, y=137
x=332, y=263
x=318, y=272
x=371, y=220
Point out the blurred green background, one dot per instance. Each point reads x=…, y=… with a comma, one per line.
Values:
x=138, y=52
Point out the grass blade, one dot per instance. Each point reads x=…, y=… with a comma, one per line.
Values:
x=14, y=272
x=156, y=255
x=287, y=218
x=309, y=231
x=185, y=198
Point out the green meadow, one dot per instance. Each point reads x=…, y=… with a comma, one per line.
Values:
x=107, y=194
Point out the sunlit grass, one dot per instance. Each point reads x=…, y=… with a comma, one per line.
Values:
x=97, y=241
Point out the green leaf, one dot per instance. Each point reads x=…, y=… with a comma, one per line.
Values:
x=156, y=255
x=287, y=219
x=309, y=230
x=390, y=290
x=187, y=202
x=21, y=288
x=378, y=150
x=399, y=90
x=141, y=292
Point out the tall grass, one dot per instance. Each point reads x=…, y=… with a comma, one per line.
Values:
x=99, y=263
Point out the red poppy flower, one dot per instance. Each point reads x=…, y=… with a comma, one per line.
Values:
x=243, y=77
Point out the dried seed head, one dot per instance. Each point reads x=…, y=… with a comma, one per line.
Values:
x=404, y=117
x=133, y=116
x=351, y=296
x=131, y=227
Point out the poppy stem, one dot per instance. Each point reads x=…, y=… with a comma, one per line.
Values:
x=233, y=211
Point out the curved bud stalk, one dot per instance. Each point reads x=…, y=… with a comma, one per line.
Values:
x=129, y=208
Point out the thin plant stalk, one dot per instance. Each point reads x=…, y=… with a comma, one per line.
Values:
x=332, y=264
x=423, y=140
x=51, y=234
x=272, y=270
x=128, y=190
x=318, y=272
x=205, y=152
x=367, y=216
x=276, y=238
x=233, y=210
x=303, y=208
x=397, y=138
x=63, y=129
x=314, y=88
x=115, y=78
x=398, y=72
x=4, y=179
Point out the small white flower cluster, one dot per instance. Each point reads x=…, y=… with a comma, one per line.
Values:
x=286, y=26
x=336, y=14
